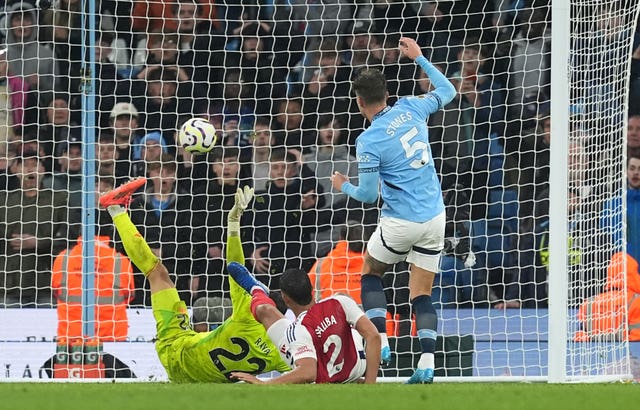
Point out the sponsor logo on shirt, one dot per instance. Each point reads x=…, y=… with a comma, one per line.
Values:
x=303, y=349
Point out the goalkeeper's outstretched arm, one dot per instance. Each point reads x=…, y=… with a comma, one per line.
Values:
x=234, y=244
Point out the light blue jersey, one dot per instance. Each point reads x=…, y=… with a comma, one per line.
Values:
x=395, y=149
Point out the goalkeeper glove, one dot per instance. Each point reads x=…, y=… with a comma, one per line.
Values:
x=469, y=260
x=242, y=198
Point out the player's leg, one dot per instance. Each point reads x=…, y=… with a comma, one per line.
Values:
x=425, y=260
x=137, y=248
x=263, y=308
x=384, y=249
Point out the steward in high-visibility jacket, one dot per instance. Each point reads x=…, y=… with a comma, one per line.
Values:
x=602, y=316
x=114, y=288
x=338, y=272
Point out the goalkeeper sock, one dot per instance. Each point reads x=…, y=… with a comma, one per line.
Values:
x=137, y=248
x=258, y=298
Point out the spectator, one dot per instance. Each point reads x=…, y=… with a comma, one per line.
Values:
x=486, y=100
x=262, y=141
x=33, y=227
x=68, y=179
x=108, y=159
x=13, y=100
x=340, y=270
x=611, y=218
x=529, y=71
x=362, y=48
x=285, y=219
x=164, y=97
x=237, y=109
x=293, y=132
x=327, y=91
x=114, y=286
x=107, y=78
x=210, y=312
x=174, y=225
x=615, y=313
x=256, y=64
x=227, y=177
x=450, y=135
x=331, y=154
x=152, y=147
x=633, y=132
x=124, y=121
x=63, y=27
x=27, y=57
x=193, y=170
x=159, y=15
x=57, y=124
x=198, y=42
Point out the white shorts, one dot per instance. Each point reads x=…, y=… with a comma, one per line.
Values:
x=396, y=240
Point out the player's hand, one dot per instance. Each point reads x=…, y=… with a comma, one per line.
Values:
x=409, y=48
x=337, y=180
x=260, y=263
x=246, y=377
x=242, y=199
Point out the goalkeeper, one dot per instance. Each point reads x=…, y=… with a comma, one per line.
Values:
x=239, y=344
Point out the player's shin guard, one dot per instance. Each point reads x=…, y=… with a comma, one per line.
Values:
x=137, y=248
x=427, y=324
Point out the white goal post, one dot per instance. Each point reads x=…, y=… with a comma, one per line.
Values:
x=531, y=154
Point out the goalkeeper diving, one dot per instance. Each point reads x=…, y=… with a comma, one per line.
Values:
x=239, y=344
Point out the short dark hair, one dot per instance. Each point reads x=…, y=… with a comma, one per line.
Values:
x=220, y=153
x=295, y=283
x=371, y=85
x=356, y=235
x=281, y=154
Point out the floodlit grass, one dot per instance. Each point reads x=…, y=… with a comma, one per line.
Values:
x=444, y=396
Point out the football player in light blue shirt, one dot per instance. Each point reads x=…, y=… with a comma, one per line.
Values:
x=395, y=150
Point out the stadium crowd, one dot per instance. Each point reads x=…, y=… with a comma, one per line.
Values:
x=274, y=78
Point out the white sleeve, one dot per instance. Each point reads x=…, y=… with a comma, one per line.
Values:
x=351, y=309
x=301, y=344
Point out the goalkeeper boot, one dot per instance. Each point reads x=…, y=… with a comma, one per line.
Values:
x=421, y=376
x=122, y=195
x=244, y=278
x=385, y=356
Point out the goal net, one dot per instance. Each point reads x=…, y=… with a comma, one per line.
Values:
x=92, y=95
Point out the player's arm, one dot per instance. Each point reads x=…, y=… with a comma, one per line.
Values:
x=305, y=372
x=234, y=252
x=444, y=90
x=372, y=347
x=368, y=176
x=357, y=318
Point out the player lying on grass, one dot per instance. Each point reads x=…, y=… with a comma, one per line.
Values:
x=321, y=345
x=240, y=343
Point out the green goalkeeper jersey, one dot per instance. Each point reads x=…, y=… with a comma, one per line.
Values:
x=239, y=344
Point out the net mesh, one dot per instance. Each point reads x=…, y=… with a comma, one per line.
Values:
x=274, y=78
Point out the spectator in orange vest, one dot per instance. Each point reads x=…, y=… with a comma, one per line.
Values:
x=114, y=286
x=602, y=316
x=340, y=270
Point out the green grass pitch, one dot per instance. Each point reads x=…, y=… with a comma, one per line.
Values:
x=441, y=396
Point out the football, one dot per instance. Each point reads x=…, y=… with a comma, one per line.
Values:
x=197, y=135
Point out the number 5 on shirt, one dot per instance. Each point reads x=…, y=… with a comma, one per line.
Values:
x=410, y=150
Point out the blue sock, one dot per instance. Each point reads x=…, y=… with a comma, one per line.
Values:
x=374, y=302
x=426, y=322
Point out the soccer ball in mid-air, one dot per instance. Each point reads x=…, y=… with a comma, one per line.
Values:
x=197, y=135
